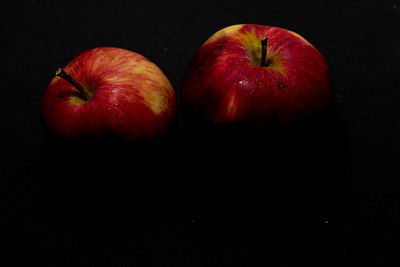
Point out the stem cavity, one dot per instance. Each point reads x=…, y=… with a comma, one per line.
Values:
x=86, y=95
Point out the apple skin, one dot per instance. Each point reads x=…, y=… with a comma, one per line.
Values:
x=225, y=83
x=130, y=98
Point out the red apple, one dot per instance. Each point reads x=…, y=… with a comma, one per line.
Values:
x=257, y=74
x=109, y=91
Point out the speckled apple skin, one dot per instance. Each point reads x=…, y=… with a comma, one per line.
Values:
x=225, y=83
x=132, y=98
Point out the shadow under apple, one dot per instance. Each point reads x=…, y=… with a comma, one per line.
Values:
x=107, y=175
x=283, y=171
x=274, y=183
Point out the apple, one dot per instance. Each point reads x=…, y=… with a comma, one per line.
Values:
x=256, y=74
x=108, y=91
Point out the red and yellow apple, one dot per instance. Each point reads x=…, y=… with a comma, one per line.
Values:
x=258, y=74
x=109, y=91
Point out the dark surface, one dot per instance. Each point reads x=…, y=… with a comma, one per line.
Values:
x=326, y=195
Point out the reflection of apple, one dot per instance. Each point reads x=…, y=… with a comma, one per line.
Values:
x=109, y=91
x=257, y=74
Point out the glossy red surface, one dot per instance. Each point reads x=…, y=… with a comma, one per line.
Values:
x=225, y=82
x=132, y=98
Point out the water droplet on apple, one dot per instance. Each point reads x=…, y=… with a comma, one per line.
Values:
x=243, y=83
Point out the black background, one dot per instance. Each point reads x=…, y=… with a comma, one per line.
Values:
x=326, y=195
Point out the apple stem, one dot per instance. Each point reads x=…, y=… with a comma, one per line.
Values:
x=84, y=92
x=264, y=61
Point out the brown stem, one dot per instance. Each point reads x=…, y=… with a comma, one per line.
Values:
x=84, y=92
x=264, y=60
